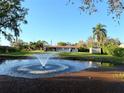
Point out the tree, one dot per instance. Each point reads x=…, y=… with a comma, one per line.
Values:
x=45, y=43
x=100, y=34
x=40, y=44
x=115, y=7
x=69, y=43
x=32, y=45
x=81, y=43
x=61, y=43
x=110, y=45
x=37, y=45
x=12, y=15
x=19, y=44
x=90, y=42
x=113, y=40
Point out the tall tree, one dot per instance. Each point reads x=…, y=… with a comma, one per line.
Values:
x=100, y=34
x=12, y=15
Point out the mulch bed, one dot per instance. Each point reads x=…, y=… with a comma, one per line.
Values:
x=61, y=84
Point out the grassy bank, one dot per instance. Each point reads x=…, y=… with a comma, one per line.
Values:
x=19, y=55
x=91, y=57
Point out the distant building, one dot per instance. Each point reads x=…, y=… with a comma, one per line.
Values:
x=95, y=51
x=62, y=48
x=121, y=45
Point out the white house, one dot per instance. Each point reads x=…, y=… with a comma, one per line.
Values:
x=121, y=45
x=62, y=48
x=95, y=50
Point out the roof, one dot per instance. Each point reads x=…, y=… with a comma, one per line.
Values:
x=63, y=46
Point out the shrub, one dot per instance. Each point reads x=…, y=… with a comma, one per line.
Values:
x=6, y=49
x=118, y=52
x=81, y=49
x=109, y=48
x=13, y=50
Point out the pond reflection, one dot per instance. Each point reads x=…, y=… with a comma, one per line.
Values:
x=104, y=64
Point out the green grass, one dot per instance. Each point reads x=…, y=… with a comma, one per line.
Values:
x=91, y=57
x=71, y=56
x=22, y=53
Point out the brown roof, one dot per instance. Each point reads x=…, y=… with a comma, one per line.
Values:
x=63, y=46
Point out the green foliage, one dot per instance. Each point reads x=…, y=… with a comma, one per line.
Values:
x=62, y=43
x=85, y=56
x=118, y=52
x=12, y=15
x=6, y=49
x=21, y=45
x=40, y=44
x=100, y=34
x=110, y=45
x=81, y=49
x=37, y=45
x=19, y=54
x=109, y=49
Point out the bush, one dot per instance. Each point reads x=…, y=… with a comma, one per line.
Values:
x=81, y=49
x=109, y=48
x=118, y=52
x=6, y=49
x=13, y=50
x=110, y=45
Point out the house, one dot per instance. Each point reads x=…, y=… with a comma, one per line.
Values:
x=95, y=50
x=121, y=45
x=62, y=48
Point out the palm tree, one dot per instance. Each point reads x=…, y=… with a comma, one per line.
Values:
x=100, y=34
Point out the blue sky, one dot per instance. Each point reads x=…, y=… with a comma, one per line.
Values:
x=54, y=20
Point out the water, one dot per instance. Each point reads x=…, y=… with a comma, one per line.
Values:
x=43, y=59
x=32, y=68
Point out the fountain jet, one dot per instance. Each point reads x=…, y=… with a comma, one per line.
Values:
x=43, y=59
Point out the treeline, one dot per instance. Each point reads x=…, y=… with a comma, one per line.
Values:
x=108, y=45
x=21, y=45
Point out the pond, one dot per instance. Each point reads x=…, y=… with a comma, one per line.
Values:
x=32, y=68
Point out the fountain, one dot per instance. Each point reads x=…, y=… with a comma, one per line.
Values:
x=43, y=66
x=43, y=59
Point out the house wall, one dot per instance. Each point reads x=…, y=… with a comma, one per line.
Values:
x=121, y=46
x=61, y=49
x=95, y=50
x=66, y=50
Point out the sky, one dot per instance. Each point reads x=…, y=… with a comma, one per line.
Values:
x=55, y=20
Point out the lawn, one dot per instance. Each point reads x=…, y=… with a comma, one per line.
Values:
x=68, y=55
x=91, y=57
x=22, y=53
x=19, y=55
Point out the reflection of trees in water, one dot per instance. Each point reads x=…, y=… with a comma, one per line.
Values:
x=2, y=61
